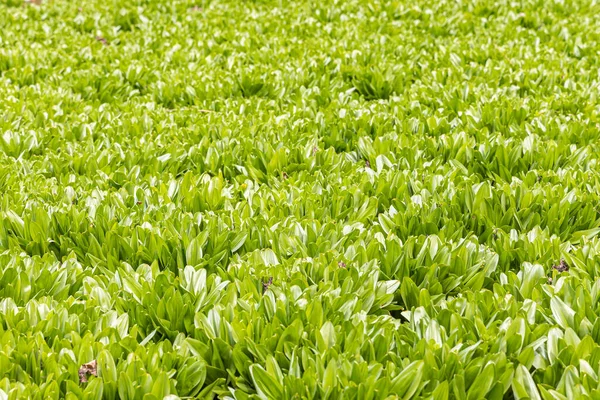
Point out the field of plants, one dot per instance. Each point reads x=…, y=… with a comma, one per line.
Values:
x=339, y=199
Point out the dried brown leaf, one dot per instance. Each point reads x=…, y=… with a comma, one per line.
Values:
x=562, y=266
x=102, y=40
x=267, y=284
x=90, y=368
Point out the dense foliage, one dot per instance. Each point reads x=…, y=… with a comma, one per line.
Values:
x=272, y=199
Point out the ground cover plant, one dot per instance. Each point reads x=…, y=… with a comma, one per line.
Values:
x=356, y=199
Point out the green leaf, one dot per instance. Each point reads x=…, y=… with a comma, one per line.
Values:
x=482, y=383
x=523, y=385
x=193, y=252
x=161, y=386
x=238, y=241
x=267, y=386
x=106, y=367
x=407, y=383
x=563, y=314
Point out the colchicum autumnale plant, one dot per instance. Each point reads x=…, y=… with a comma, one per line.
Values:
x=258, y=199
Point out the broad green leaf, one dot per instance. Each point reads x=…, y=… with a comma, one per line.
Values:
x=267, y=386
x=563, y=314
x=523, y=385
x=483, y=383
